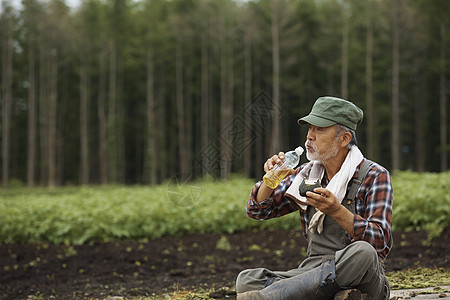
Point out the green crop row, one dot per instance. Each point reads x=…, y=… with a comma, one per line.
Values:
x=421, y=201
x=105, y=213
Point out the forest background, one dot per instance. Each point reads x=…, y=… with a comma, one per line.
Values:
x=141, y=92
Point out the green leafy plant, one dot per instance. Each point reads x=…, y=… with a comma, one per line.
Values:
x=77, y=215
x=421, y=201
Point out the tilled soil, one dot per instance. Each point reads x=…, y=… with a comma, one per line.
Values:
x=159, y=266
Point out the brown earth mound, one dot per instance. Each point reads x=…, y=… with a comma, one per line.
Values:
x=144, y=269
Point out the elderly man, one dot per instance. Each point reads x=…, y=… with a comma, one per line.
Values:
x=347, y=221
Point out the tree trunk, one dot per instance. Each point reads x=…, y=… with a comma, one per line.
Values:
x=369, y=114
x=31, y=156
x=84, y=96
x=230, y=110
x=52, y=117
x=120, y=124
x=7, y=80
x=44, y=82
x=276, y=133
x=102, y=135
x=442, y=103
x=395, y=88
x=189, y=109
x=260, y=149
x=111, y=133
x=161, y=96
x=223, y=106
x=151, y=151
x=205, y=112
x=344, y=65
x=60, y=121
x=183, y=163
x=419, y=123
x=247, y=100
x=226, y=103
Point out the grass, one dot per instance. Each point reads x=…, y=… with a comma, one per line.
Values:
x=419, y=278
x=407, y=279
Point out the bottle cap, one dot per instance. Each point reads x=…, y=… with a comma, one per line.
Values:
x=299, y=150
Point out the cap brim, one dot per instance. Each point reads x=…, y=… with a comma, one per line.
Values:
x=316, y=121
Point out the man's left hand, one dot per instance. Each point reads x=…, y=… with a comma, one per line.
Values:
x=324, y=200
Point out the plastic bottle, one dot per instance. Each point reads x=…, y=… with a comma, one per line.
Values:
x=279, y=172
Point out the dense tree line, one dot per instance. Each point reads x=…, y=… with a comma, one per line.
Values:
x=121, y=91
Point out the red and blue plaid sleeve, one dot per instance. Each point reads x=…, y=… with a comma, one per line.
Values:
x=373, y=218
x=276, y=205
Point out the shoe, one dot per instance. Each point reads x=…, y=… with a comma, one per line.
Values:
x=318, y=284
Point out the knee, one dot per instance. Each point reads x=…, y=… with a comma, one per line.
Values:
x=358, y=266
x=364, y=248
x=365, y=252
x=242, y=282
x=251, y=280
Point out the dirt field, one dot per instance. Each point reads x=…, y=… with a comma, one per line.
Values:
x=144, y=269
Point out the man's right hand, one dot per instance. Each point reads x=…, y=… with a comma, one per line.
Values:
x=274, y=160
x=264, y=190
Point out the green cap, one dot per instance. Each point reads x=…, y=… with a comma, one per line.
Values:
x=328, y=111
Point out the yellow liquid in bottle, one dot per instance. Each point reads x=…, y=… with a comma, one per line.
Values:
x=273, y=178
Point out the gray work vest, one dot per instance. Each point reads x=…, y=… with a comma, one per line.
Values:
x=333, y=236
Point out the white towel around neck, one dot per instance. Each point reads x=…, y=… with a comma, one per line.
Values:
x=337, y=185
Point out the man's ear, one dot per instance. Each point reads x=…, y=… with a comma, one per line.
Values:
x=346, y=137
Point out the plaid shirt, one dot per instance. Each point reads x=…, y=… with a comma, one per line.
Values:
x=373, y=209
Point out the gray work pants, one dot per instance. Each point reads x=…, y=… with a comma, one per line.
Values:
x=357, y=266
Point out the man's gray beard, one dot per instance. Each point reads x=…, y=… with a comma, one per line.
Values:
x=330, y=153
